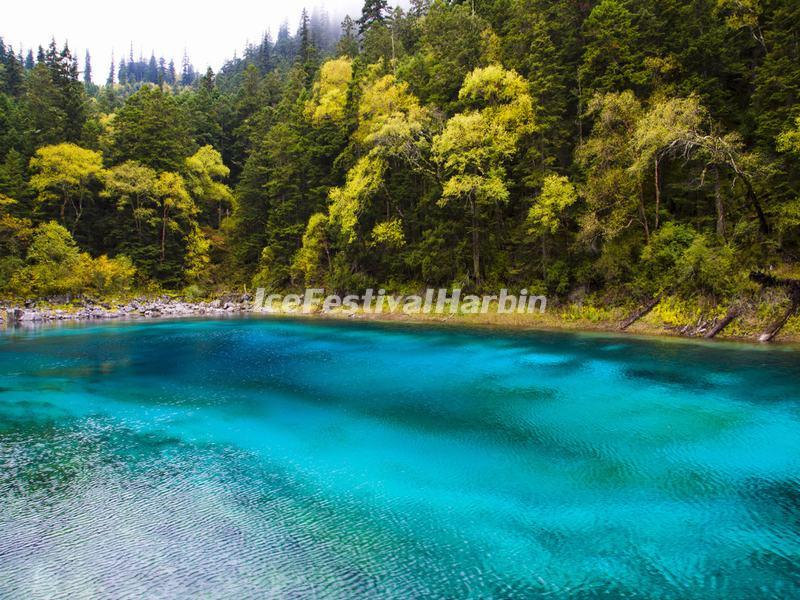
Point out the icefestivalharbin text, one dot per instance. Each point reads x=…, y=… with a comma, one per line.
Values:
x=441, y=301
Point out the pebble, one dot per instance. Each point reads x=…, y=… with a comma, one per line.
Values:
x=139, y=308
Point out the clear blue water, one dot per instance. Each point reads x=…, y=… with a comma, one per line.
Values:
x=252, y=458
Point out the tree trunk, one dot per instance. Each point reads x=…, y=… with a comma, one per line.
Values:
x=163, y=234
x=643, y=215
x=719, y=204
x=776, y=327
x=657, y=181
x=544, y=255
x=64, y=204
x=640, y=313
x=476, y=251
x=793, y=288
x=751, y=196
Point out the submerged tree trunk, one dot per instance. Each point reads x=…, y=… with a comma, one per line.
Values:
x=640, y=313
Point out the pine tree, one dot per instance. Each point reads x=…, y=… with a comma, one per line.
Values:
x=263, y=56
x=87, y=70
x=122, y=77
x=151, y=128
x=307, y=54
x=162, y=71
x=111, y=72
x=777, y=94
x=14, y=73
x=187, y=71
x=152, y=69
x=284, y=44
x=172, y=75
x=348, y=42
x=373, y=12
x=611, y=57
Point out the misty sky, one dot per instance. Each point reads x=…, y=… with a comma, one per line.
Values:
x=210, y=31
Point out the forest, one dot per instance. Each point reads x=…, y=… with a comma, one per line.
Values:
x=611, y=150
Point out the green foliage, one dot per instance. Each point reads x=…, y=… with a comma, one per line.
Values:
x=204, y=171
x=388, y=234
x=662, y=262
x=626, y=148
x=708, y=269
x=313, y=258
x=453, y=42
x=62, y=176
x=54, y=265
x=789, y=140
x=151, y=129
x=330, y=92
x=363, y=181
x=612, y=195
x=547, y=213
x=15, y=232
x=475, y=144
x=197, y=259
x=108, y=276
x=132, y=187
x=611, y=59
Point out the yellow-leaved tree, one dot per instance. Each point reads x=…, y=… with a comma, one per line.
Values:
x=329, y=97
x=62, y=175
x=477, y=144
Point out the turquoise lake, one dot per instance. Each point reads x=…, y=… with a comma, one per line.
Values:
x=252, y=458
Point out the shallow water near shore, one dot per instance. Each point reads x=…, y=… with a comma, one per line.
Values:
x=250, y=458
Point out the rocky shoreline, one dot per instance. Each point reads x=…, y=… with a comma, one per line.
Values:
x=87, y=309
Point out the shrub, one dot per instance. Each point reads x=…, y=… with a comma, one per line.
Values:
x=658, y=270
x=54, y=265
x=111, y=275
x=709, y=269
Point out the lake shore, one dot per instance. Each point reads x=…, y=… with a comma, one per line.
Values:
x=565, y=318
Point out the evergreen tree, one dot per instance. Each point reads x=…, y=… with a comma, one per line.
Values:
x=187, y=71
x=13, y=73
x=87, y=70
x=777, y=84
x=284, y=44
x=611, y=58
x=348, y=41
x=172, y=76
x=373, y=12
x=111, y=72
x=307, y=54
x=151, y=129
x=264, y=54
x=152, y=70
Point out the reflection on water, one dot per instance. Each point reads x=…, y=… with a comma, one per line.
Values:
x=248, y=458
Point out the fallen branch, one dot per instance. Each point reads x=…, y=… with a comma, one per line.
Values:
x=640, y=313
x=776, y=327
x=793, y=288
x=733, y=312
